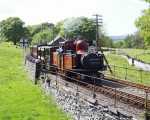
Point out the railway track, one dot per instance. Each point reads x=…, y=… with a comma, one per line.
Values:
x=128, y=83
x=125, y=97
x=121, y=96
x=71, y=89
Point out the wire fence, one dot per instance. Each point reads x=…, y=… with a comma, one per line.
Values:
x=110, y=102
x=133, y=75
x=84, y=94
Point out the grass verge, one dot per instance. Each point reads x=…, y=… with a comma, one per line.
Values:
x=140, y=54
x=131, y=73
x=19, y=98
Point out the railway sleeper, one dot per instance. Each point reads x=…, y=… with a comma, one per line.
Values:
x=136, y=103
x=107, y=93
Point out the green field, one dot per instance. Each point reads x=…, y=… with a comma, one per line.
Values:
x=119, y=65
x=144, y=57
x=19, y=98
x=140, y=54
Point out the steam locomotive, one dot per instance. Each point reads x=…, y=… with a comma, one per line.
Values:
x=71, y=56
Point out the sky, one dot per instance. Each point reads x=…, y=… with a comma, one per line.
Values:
x=118, y=15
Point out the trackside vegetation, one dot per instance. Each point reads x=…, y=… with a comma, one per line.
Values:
x=20, y=99
x=121, y=69
x=140, y=54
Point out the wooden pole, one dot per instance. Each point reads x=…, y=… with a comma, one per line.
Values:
x=98, y=21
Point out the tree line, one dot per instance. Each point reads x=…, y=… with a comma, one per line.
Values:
x=131, y=41
x=143, y=25
x=13, y=29
x=140, y=39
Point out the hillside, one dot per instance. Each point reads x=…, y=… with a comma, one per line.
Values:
x=118, y=38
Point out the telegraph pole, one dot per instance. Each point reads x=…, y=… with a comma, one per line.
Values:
x=99, y=22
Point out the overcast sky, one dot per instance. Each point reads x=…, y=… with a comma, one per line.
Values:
x=118, y=15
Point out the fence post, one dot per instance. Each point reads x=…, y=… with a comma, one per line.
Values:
x=141, y=76
x=114, y=70
x=77, y=99
x=77, y=86
x=115, y=102
x=94, y=95
x=147, y=116
x=56, y=81
x=126, y=73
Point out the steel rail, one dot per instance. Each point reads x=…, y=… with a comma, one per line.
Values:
x=133, y=100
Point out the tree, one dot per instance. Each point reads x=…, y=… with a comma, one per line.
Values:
x=134, y=41
x=128, y=42
x=143, y=24
x=138, y=40
x=43, y=32
x=75, y=27
x=131, y=41
x=119, y=44
x=12, y=29
x=147, y=1
x=59, y=28
x=34, y=29
x=41, y=37
x=106, y=41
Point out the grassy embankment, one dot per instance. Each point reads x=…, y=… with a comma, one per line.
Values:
x=132, y=74
x=19, y=98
